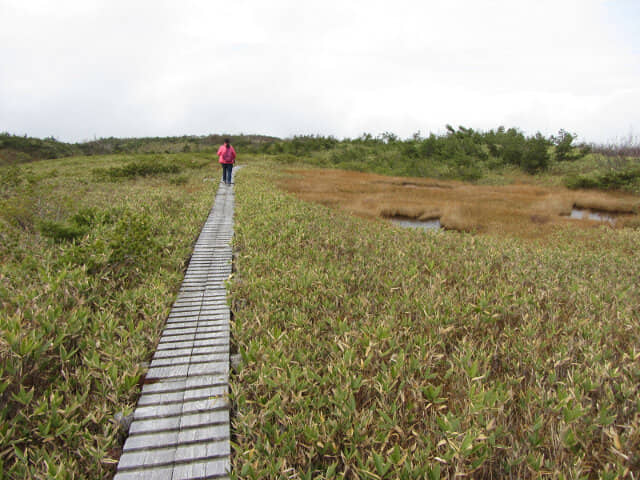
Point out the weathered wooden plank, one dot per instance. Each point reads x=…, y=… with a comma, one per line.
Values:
x=181, y=426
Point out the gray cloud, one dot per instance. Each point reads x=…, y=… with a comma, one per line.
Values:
x=76, y=69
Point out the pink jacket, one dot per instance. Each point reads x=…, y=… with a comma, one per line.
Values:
x=222, y=150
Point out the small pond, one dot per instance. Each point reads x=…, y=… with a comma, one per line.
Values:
x=585, y=214
x=431, y=224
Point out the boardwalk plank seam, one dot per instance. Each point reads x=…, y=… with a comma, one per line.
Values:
x=181, y=427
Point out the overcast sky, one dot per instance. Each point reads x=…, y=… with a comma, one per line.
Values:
x=79, y=69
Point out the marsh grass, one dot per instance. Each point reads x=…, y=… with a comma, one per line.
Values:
x=371, y=351
x=368, y=351
x=519, y=209
x=88, y=271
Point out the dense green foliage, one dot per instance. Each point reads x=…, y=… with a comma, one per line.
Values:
x=598, y=171
x=462, y=154
x=627, y=179
x=565, y=149
x=88, y=270
x=375, y=352
x=496, y=156
x=138, y=168
x=16, y=149
x=187, y=143
x=19, y=149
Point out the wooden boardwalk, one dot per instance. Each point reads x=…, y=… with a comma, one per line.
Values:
x=180, y=428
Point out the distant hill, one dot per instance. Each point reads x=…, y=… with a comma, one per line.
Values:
x=21, y=149
x=17, y=149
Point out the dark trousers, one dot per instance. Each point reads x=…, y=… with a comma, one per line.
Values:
x=227, y=168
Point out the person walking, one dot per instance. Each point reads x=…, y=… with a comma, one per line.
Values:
x=226, y=157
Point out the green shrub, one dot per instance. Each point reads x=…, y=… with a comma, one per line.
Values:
x=19, y=212
x=143, y=168
x=78, y=225
x=580, y=181
x=133, y=239
x=468, y=173
x=300, y=145
x=535, y=157
x=563, y=146
x=178, y=180
x=60, y=231
x=22, y=149
x=461, y=153
x=90, y=216
x=287, y=158
x=11, y=177
x=628, y=179
x=512, y=147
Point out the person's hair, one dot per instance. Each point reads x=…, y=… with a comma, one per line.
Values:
x=227, y=141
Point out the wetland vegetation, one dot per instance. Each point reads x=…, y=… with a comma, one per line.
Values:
x=518, y=209
x=368, y=350
x=92, y=250
x=372, y=351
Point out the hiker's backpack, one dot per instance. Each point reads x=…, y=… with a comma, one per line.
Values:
x=227, y=156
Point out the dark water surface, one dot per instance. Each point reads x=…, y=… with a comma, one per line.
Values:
x=584, y=214
x=431, y=225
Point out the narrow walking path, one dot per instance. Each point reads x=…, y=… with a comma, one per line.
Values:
x=180, y=428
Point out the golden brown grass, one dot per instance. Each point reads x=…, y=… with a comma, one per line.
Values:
x=523, y=210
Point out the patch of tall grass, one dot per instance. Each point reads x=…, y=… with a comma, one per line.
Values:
x=88, y=270
x=371, y=351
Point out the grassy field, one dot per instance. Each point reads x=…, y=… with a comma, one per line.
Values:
x=370, y=351
x=92, y=252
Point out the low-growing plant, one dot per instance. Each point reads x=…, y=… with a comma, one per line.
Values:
x=627, y=179
x=18, y=211
x=61, y=231
x=179, y=180
x=80, y=314
x=287, y=158
x=136, y=169
x=375, y=352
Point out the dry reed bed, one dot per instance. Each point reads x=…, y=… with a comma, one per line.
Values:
x=522, y=209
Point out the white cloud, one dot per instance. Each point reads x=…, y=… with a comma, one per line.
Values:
x=77, y=69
